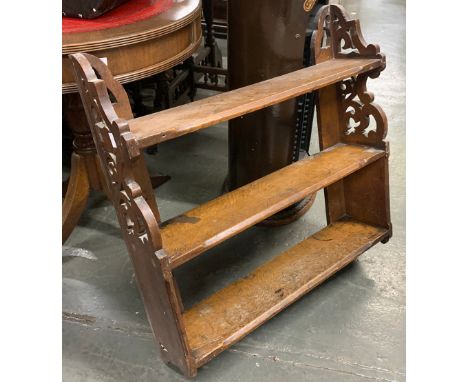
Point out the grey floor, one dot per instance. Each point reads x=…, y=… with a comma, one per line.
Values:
x=351, y=328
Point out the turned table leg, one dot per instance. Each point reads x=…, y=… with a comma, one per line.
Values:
x=76, y=196
x=215, y=57
x=85, y=174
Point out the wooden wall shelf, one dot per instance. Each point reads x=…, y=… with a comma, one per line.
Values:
x=352, y=168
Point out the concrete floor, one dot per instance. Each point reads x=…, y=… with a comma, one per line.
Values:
x=351, y=328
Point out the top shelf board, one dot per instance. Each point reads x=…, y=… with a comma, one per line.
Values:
x=172, y=123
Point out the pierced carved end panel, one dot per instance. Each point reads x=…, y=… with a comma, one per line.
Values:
x=347, y=114
x=364, y=121
x=119, y=153
x=338, y=37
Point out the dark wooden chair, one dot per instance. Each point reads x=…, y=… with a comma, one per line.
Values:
x=352, y=167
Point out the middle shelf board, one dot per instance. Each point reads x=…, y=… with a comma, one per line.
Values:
x=200, y=229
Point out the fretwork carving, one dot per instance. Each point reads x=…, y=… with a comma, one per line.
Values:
x=117, y=150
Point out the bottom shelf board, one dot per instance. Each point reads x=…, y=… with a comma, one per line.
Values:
x=231, y=313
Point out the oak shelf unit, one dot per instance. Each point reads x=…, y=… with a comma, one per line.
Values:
x=352, y=168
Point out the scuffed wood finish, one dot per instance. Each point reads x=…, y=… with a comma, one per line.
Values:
x=173, y=123
x=192, y=233
x=233, y=312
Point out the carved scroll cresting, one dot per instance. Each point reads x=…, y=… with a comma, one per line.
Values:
x=338, y=37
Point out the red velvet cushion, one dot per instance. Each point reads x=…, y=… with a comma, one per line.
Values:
x=128, y=13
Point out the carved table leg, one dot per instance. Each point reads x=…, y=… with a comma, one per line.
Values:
x=215, y=56
x=75, y=197
x=85, y=172
x=65, y=186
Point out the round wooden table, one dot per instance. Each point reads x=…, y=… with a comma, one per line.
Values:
x=138, y=39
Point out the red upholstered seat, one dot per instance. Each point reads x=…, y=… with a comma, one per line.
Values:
x=128, y=13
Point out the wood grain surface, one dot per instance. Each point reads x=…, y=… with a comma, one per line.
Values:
x=172, y=123
x=233, y=312
x=192, y=233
